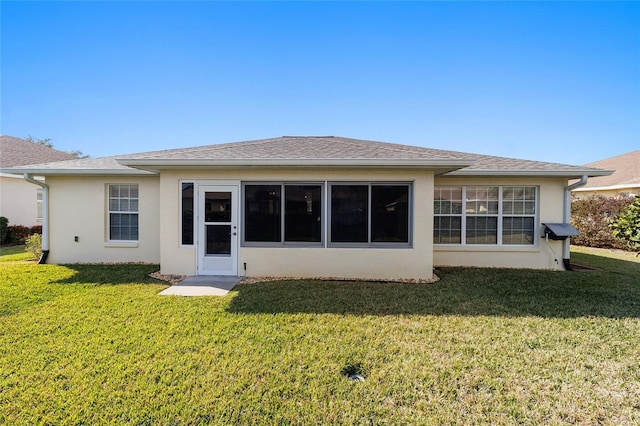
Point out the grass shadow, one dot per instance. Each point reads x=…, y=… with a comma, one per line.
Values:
x=461, y=291
x=610, y=264
x=109, y=274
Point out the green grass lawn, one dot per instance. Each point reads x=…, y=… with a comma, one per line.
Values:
x=98, y=345
x=14, y=254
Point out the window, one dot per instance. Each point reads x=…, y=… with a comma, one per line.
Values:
x=490, y=215
x=369, y=214
x=187, y=189
x=123, y=212
x=283, y=213
x=359, y=214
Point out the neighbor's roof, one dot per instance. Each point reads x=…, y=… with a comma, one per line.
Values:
x=315, y=152
x=626, y=174
x=19, y=152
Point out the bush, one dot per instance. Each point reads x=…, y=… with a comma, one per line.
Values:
x=626, y=227
x=18, y=234
x=34, y=245
x=4, y=229
x=36, y=229
x=591, y=216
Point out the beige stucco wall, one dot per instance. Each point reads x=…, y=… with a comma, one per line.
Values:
x=539, y=256
x=78, y=208
x=18, y=201
x=413, y=263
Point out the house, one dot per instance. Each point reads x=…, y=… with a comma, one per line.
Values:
x=625, y=180
x=308, y=207
x=21, y=201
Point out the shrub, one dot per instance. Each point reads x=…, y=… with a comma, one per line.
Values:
x=34, y=245
x=36, y=229
x=4, y=229
x=626, y=227
x=591, y=216
x=18, y=234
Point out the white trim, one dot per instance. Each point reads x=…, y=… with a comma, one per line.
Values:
x=576, y=173
x=199, y=186
x=608, y=188
x=109, y=212
x=500, y=216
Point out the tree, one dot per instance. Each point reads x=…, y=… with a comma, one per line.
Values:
x=47, y=142
x=626, y=226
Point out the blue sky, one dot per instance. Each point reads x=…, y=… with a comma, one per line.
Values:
x=545, y=81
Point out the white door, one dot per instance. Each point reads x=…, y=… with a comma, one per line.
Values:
x=217, y=230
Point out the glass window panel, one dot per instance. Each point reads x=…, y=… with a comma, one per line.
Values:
x=529, y=207
x=217, y=206
x=218, y=240
x=349, y=213
x=482, y=230
x=123, y=207
x=390, y=213
x=262, y=213
x=448, y=200
x=482, y=200
x=517, y=230
x=187, y=213
x=303, y=213
x=447, y=230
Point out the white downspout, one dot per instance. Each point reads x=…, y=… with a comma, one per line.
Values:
x=566, y=244
x=45, y=216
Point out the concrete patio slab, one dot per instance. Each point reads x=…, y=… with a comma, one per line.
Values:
x=202, y=286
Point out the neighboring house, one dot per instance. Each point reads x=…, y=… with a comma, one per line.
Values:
x=307, y=207
x=625, y=180
x=21, y=201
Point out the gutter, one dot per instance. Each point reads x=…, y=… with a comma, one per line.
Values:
x=45, y=216
x=566, y=249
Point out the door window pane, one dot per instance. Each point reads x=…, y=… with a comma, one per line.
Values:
x=217, y=207
x=218, y=240
x=262, y=220
x=303, y=213
x=390, y=213
x=349, y=213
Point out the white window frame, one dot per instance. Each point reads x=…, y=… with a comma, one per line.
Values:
x=128, y=212
x=500, y=216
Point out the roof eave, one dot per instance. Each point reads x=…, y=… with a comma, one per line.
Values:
x=571, y=174
x=155, y=165
x=607, y=188
x=77, y=172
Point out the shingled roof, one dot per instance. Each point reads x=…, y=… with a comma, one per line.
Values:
x=318, y=152
x=19, y=152
x=626, y=174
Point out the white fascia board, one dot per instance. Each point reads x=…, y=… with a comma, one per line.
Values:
x=523, y=173
x=159, y=164
x=607, y=188
x=85, y=172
